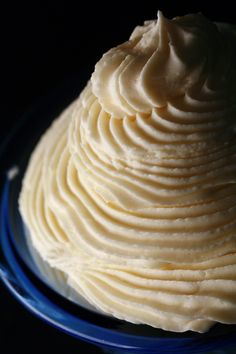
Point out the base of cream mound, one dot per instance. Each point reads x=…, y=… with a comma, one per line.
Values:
x=54, y=278
x=132, y=194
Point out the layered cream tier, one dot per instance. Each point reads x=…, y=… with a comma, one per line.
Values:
x=132, y=190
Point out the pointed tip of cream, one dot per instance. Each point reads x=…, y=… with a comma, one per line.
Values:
x=161, y=19
x=162, y=22
x=159, y=14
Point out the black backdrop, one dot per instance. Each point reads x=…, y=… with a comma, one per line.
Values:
x=42, y=44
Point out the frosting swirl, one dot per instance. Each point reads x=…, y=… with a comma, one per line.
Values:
x=132, y=191
x=163, y=60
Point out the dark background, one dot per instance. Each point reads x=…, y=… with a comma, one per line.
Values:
x=42, y=45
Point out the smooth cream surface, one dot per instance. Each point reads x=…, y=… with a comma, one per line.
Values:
x=132, y=190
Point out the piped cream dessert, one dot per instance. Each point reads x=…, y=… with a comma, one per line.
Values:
x=132, y=190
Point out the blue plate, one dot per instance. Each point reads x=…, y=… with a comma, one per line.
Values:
x=20, y=274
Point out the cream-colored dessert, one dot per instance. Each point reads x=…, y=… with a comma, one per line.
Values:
x=132, y=190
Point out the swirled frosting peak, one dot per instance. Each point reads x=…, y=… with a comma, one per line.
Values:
x=131, y=192
x=162, y=60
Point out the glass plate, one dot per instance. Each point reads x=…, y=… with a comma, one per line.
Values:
x=20, y=271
